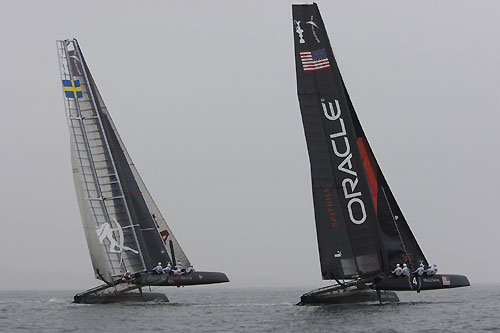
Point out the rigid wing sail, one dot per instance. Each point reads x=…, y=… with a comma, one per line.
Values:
x=125, y=230
x=362, y=233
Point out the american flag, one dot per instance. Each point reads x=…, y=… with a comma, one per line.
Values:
x=446, y=282
x=314, y=60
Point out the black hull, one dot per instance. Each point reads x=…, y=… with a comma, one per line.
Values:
x=126, y=297
x=191, y=279
x=349, y=297
x=121, y=291
x=418, y=283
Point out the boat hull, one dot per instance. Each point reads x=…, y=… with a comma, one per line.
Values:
x=126, y=297
x=418, y=283
x=349, y=296
x=121, y=291
x=191, y=279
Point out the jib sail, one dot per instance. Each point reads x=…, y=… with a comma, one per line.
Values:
x=360, y=228
x=400, y=244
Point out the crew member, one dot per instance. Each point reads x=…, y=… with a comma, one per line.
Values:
x=405, y=271
x=179, y=266
x=179, y=270
x=158, y=269
x=190, y=269
x=420, y=270
x=126, y=277
x=432, y=270
x=168, y=269
x=397, y=271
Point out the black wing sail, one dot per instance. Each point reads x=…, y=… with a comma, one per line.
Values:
x=349, y=236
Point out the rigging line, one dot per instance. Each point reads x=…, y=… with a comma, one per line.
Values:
x=396, y=225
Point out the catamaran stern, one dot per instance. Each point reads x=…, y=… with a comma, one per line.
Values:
x=417, y=283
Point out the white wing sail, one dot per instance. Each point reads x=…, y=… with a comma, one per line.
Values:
x=100, y=195
x=124, y=228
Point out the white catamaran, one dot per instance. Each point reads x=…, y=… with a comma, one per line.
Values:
x=126, y=234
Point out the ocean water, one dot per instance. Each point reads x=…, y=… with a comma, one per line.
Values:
x=231, y=309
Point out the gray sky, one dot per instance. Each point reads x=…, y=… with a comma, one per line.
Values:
x=204, y=96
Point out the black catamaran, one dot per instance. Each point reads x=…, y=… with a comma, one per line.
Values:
x=362, y=233
x=125, y=231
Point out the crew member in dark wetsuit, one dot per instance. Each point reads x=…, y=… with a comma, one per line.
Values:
x=397, y=271
x=420, y=270
x=158, y=269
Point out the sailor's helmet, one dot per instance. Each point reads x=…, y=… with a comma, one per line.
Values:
x=397, y=265
x=404, y=265
x=159, y=263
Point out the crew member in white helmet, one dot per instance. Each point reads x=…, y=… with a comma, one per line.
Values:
x=397, y=271
x=179, y=266
x=432, y=270
x=178, y=269
x=158, y=269
x=189, y=269
x=405, y=271
x=420, y=270
x=168, y=269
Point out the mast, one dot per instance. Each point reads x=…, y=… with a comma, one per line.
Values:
x=120, y=227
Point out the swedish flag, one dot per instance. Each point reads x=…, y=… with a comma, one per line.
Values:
x=72, y=88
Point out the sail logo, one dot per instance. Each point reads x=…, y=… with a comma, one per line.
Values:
x=314, y=60
x=314, y=26
x=299, y=32
x=163, y=233
x=76, y=64
x=350, y=182
x=105, y=231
